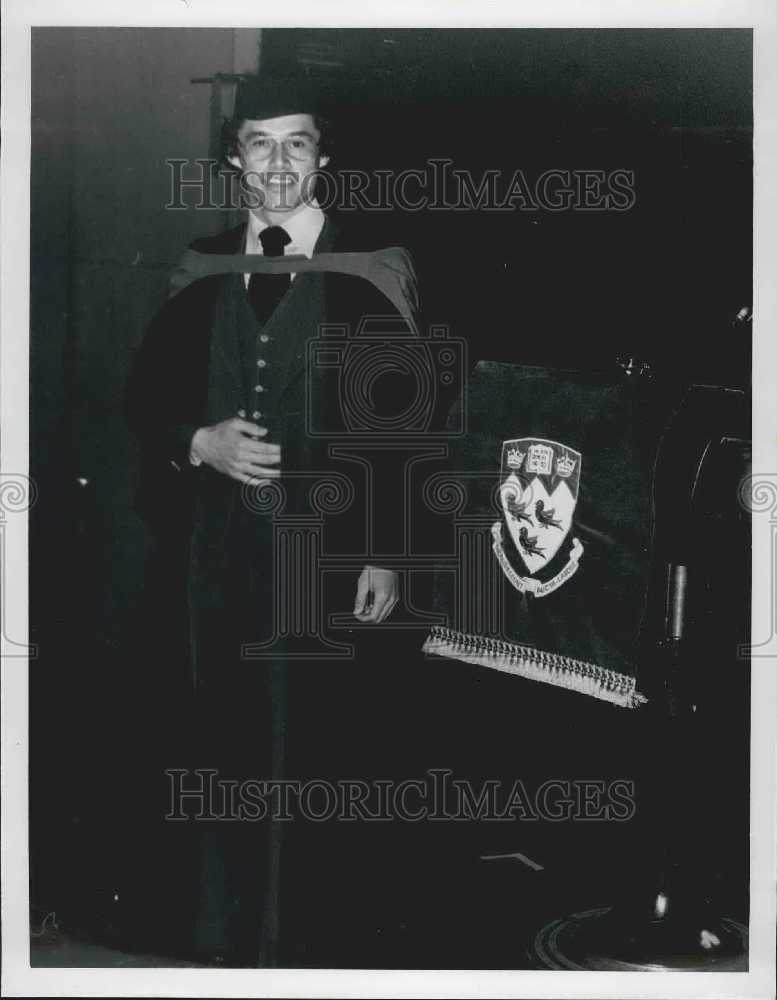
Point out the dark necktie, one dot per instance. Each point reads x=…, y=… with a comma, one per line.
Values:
x=265, y=291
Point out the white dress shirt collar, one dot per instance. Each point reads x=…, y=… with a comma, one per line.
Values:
x=303, y=226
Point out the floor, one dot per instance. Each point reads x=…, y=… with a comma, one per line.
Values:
x=503, y=904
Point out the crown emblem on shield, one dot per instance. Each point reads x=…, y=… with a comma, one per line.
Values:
x=565, y=466
x=515, y=458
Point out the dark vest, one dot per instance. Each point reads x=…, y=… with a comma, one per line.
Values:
x=236, y=382
x=232, y=543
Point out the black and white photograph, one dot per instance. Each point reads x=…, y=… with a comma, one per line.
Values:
x=388, y=501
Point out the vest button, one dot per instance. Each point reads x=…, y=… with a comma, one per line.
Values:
x=263, y=338
x=258, y=388
x=261, y=363
x=255, y=415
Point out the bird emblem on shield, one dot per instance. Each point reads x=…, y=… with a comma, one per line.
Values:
x=538, y=492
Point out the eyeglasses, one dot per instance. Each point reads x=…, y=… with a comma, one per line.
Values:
x=296, y=147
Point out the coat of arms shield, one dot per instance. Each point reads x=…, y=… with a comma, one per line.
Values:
x=538, y=492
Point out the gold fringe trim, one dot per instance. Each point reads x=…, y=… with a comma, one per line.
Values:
x=536, y=665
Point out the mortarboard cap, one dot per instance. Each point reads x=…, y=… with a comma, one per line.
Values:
x=260, y=97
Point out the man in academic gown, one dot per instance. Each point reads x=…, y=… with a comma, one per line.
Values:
x=236, y=420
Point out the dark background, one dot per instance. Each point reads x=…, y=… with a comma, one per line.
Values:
x=661, y=281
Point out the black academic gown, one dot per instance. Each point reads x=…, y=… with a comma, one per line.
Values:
x=285, y=713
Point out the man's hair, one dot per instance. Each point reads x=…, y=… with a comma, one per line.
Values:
x=230, y=127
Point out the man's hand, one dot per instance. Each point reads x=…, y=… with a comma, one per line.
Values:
x=233, y=448
x=377, y=594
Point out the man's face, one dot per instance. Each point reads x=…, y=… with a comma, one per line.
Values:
x=279, y=158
